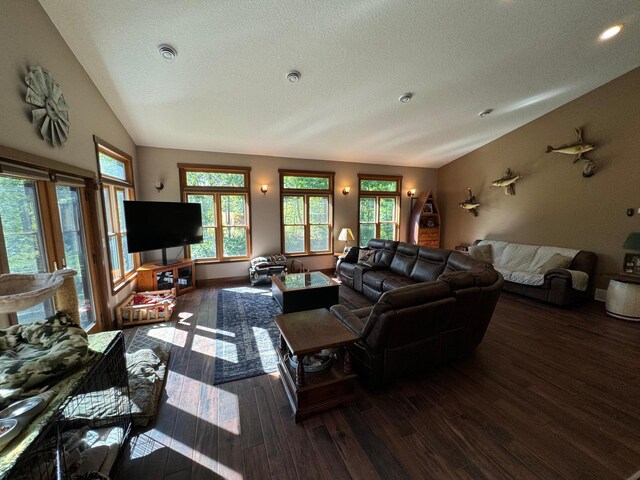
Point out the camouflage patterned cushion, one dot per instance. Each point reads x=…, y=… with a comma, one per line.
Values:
x=35, y=355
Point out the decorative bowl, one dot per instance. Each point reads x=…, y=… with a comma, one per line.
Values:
x=24, y=409
x=8, y=430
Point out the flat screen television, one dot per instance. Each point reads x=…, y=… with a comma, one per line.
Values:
x=162, y=225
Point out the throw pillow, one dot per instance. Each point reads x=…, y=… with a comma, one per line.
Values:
x=366, y=255
x=352, y=255
x=556, y=261
x=481, y=252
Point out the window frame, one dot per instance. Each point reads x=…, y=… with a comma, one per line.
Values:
x=217, y=193
x=110, y=185
x=378, y=196
x=306, y=193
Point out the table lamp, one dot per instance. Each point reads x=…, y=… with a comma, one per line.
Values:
x=345, y=236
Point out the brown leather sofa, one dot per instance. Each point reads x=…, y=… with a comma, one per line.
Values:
x=432, y=306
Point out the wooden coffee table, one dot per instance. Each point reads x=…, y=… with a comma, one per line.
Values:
x=304, y=333
x=304, y=291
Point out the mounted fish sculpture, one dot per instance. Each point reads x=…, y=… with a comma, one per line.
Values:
x=471, y=204
x=508, y=181
x=577, y=149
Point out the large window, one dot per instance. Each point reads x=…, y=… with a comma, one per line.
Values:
x=116, y=177
x=378, y=207
x=223, y=194
x=307, y=212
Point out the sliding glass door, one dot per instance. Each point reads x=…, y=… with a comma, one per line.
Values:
x=43, y=228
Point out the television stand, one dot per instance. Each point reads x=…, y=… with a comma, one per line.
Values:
x=180, y=275
x=166, y=262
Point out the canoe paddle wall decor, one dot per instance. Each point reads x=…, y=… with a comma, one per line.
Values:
x=470, y=204
x=577, y=149
x=50, y=111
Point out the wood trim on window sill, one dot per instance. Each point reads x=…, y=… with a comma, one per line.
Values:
x=205, y=261
x=315, y=254
x=120, y=285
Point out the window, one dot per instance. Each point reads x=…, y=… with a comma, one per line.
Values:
x=307, y=212
x=116, y=176
x=378, y=207
x=223, y=194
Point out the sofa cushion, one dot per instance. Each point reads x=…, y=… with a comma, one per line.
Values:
x=481, y=252
x=429, y=264
x=556, y=261
x=545, y=253
x=392, y=282
x=385, y=250
x=375, y=278
x=518, y=256
x=404, y=259
x=497, y=249
x=418, y=294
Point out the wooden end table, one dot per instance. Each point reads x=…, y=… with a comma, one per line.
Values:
x=304, y=333
x=304, y=291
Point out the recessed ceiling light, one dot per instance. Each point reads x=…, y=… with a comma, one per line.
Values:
x=485, y=113
x=293, y=76
x=168, y=52
x=610, y=32
x=406, y=97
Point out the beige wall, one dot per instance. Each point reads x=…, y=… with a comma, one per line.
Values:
x=265, y=209
x=29, y=38
x=554, y=204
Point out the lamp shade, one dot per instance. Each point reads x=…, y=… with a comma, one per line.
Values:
x=346, y=235
x=631, y=243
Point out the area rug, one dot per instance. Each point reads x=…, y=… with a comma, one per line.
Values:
x=246, y=334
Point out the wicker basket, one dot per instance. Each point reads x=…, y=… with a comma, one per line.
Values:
x=146, y=307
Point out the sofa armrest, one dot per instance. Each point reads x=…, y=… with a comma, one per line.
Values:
x=559, y=277
x=348, y=319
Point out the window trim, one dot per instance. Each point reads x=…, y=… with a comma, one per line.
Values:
x=217, y=192
x=377, y=195
x=104, y=147
x=306, y=193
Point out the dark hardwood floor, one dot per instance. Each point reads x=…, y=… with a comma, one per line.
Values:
x=549, y=394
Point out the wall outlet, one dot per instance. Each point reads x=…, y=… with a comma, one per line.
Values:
x=601, y=295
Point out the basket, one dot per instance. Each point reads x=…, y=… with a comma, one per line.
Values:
x=146, y=307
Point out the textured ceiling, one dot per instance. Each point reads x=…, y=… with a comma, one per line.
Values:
x=227, y=89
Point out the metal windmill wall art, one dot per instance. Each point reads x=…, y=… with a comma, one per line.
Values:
x=51, y=112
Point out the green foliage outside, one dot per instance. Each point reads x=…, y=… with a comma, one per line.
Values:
x=295, y=216
x=234, y=223
x=378, y=185
x=112, y=167
x=377, y=210
x=310, y=183
x=215, y=179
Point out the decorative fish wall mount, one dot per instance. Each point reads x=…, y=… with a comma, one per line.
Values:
x=471, y=204
x=508, y=181
x=578, y=149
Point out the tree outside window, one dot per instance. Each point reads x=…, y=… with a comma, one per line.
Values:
x=378, y=207
x=223, y=194
x=307, y=215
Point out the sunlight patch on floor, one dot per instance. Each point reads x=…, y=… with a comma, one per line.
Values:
x=253, y=290
x=265, y=345
x=216, y=331
x=170, y=335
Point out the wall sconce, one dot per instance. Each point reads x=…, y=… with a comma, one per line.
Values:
x=264, y=189
x=411, y=193
x=159, y=185
x=346, y=190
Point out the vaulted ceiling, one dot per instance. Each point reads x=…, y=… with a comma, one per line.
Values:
x=227, y=89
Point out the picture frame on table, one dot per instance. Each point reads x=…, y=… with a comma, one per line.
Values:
x=631, y=263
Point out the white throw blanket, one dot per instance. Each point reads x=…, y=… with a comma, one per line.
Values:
x=519, y=263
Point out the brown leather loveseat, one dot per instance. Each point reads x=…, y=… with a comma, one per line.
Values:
x=432, y=306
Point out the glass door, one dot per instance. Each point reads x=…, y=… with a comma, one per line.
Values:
x=75, y=249
x=24, y=240
x=43, y=228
